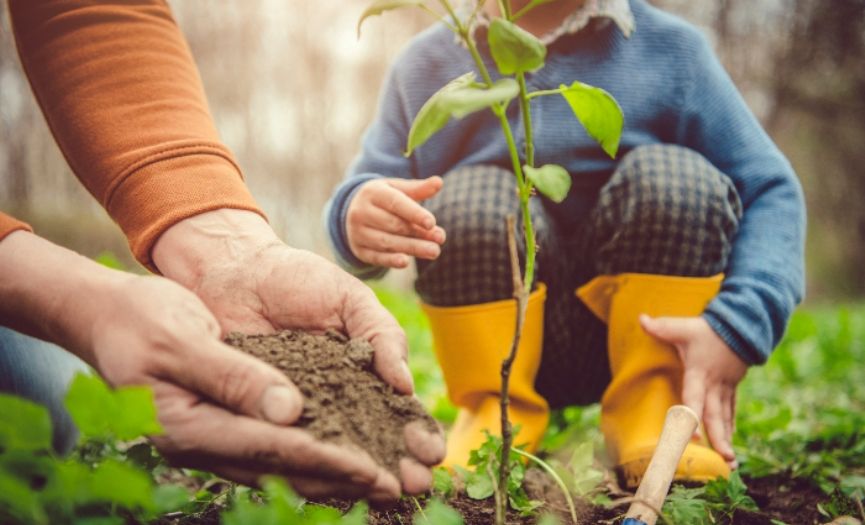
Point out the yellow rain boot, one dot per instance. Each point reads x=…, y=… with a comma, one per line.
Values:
x=647, y=374
x=470, y=343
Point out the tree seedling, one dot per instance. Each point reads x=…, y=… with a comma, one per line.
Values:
x=516, y=53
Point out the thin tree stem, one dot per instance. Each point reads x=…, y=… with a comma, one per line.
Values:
x=526, y=110
x=504, y=400
x=521, y=286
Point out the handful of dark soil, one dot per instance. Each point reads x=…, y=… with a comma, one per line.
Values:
x=345, y=402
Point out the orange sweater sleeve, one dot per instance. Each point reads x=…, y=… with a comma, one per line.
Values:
x=122, y=96
x=10, y=224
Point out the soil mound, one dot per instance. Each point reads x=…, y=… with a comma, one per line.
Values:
x=345, y=401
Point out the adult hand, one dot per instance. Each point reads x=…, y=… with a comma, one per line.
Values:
x=253, y=283
x=385, y=224
x=221, y=410
x=712, y=373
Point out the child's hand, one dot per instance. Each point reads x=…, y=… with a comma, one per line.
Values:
x=385, y=224
x=712, y=372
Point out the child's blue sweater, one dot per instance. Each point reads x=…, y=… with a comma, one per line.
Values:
x=672, y=89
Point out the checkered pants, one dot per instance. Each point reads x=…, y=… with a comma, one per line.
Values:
x=665, y=210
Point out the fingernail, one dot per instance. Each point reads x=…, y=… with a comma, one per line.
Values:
x=428, y=223
x=407, y=373
x=281, y=405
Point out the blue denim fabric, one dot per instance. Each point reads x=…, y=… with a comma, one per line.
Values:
x=40, y=372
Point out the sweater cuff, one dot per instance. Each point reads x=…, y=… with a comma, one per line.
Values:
x=732, y=327
x=160, y=194
x=10, y=224
x=335, y=215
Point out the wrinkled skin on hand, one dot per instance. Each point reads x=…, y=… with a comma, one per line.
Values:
x=221, y=410
x=253, y=283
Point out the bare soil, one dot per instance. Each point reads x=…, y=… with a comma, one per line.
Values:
x=345, y=402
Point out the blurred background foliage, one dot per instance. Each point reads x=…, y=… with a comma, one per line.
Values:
x=292, y=89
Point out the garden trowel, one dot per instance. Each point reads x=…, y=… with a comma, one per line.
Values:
x=679, y=427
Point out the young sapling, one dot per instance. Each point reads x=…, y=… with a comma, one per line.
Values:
x=516, y=53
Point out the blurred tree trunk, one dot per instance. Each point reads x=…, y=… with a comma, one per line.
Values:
x=819, y=93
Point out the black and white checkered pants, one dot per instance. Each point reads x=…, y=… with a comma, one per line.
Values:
x=665, y=210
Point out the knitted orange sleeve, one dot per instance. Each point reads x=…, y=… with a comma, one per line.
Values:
x=10, y=224
x=122, y=96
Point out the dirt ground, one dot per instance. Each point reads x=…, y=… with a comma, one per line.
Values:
x=789, y=501
x=336, y=377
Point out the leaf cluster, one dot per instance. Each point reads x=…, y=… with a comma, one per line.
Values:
x=712, y=503
x=278, y=504
x=804, y=416
x=481, y=480
x=37, y=486
x=437, y=513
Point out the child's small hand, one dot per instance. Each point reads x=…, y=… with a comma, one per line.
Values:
x=385, y=224
x=712, y=372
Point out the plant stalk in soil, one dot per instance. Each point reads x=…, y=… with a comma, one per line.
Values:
x=515, y=53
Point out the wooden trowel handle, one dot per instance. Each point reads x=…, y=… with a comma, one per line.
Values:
x=679, y=426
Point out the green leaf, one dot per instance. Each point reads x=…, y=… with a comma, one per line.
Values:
x=551, y=180
x=520, y=502
x=514, y=49
x=443, y=483
x=684, y=505
x=479, y=485
x=584, y=477
x=357, y=515
x=320, y=514
x=136, y=413
x=380, y=6
x=24, y=425
x=598, y=112
x=100, y=413
x=91, y=405
x=460, y=97
x=121, y=484
x=17, y=500
x=282, y=502
x=437, y=513
x=169, y=498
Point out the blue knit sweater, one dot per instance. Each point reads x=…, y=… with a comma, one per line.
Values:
x=672, y=89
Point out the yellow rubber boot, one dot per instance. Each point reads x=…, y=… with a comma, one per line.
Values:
x=470, y=343
x=647, y=374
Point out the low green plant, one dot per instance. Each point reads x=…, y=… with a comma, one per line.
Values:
x=94, y=485
x=712, y=503
x=482, y=482
x=443, y=483
x=437, y=513
x=277, y=504
x=803, y=415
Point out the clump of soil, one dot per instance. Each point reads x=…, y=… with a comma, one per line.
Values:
x=345, y=401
